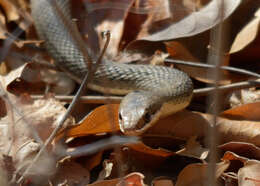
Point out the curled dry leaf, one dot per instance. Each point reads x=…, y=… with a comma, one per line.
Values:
x=194, y=149
x=109, y=16
x=250, y=111
x=247, y=150
x=185, y=124
x=26, y=126
x=247, y=35
x=162, y=182
x=249, y=175
x=34, y=79
x=244, y=96
x=195, y=23
x=132, y=179
x=196, y=174
x=10, y=10
x=103, y=119
x=72, y=172
x=178, y=51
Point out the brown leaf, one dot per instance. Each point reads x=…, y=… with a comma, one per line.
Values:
x=195, y=23
x=249, y=174
x=185, y=124
x=196, y=174
x=32, y=78
x=109, y=16
x=132, y=179
x=71, y=172
x=162, y=182
x=194, y=149
x=25, y=126
x=247, y=150
x=103, y=119
x=247, y=35
x=245, y=96
x=148, y=151
x=10, y=10
x=178, y=51
x=250, y=111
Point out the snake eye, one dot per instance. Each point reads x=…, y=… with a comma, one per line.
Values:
x=120, y=116
x=147, y=117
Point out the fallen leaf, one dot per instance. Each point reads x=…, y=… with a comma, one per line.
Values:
x=110, y=19
x=194, y=149
x=103, y=119
x=10, y=10
x=249, y=174
x=26, y=125
x=195, y=23
x=72, y=172
x=148, y=151
x=247, y=150
x=162, y=182
x=250, y=111
x=178, y=51
x=245, y=96
x=247, y=35
x=184, y=124
x=132, y=179
x=196, y=174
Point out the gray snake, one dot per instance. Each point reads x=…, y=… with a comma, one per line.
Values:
x=152, y=91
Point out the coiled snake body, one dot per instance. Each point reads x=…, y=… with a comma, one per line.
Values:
x=154, y=91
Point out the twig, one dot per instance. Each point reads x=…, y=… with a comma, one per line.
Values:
x=216, y=37
x=117, y=99
x=230, y=87
x=97, y=146
x=203, y=65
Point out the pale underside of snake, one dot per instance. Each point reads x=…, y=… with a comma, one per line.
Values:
x=152, y=91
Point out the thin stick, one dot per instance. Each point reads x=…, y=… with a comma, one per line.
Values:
x=203, y=65
x=103, y=144
x=216, y=37
x=117, y=99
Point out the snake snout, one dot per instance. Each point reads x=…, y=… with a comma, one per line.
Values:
x=137, y=112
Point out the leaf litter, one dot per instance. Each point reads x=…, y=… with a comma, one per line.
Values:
x=172, y=152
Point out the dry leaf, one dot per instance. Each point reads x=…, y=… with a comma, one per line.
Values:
x=244, y=96
x=247, y=35
x=103, y=119
x=148, y=151
x=109, y=16
x=196, y=174
x=194, y=149
x=184, y=124
x=34, y=79
x=249, y=174
x=73, y=173
x=10, y=10
x=247, y=150
x=26, y=126
x=133, y=179
x=162, y=182
x=250, y=111
x=195, y=23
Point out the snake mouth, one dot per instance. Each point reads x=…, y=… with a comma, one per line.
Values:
x=147, y=121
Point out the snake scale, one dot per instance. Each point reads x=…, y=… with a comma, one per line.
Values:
x=152, y=91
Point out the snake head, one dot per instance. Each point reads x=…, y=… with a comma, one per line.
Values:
x=137, y=112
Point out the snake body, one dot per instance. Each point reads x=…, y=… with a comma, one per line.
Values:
x=154, y=91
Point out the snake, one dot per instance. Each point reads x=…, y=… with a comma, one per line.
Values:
x=151, y=92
